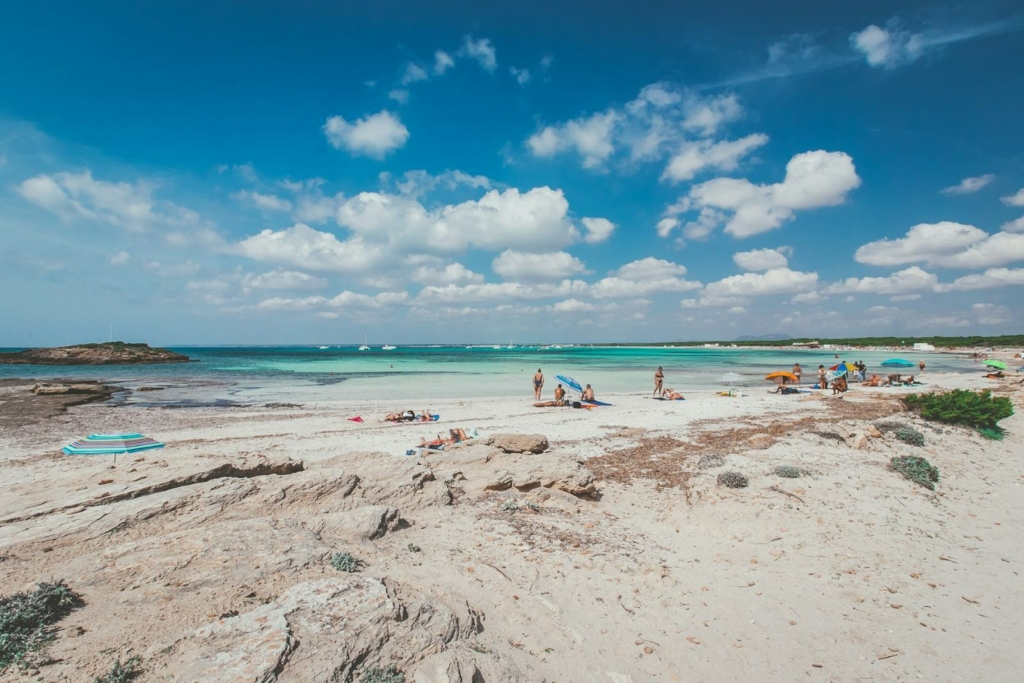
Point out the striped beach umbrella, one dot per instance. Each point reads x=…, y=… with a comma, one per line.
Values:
x=104, y=444
x=730, y=377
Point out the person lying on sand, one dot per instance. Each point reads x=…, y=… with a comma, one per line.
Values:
x=995, y=375
x=426, y=416
x=454, y=436
x=893, y=380
x=588, y=394
x=559, y=395
x=672, y=394
x=875, y=381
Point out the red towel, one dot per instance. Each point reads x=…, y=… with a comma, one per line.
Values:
x=355, y=419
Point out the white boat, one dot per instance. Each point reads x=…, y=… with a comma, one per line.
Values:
x=388, y=347
x=323, y=347
x=364, y=347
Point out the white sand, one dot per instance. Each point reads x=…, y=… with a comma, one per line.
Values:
x=859, y=575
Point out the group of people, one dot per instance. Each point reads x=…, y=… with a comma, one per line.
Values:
x=659, y=386
x=560, y=392
x=410, y=416
x=861, y=375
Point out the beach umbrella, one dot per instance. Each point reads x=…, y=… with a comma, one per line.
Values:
x=781, y=374
x=842, y=368
x=997, y=364
x=731, y=378
x=105, y=444
x=570, y=382
x=897, y=363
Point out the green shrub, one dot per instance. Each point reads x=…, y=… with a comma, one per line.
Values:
x=996, y=433
x=917, y=470
x=510, y=505
x=345, y=562
x=969, y=408
x=121, y=673
x=788, y=472
x=27, y=620
x=910, y=436
x=378, y=675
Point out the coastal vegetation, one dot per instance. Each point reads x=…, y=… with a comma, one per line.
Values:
x=121, y=672
x=27, y=620
x=345, y=562
x=977, y=409
x=917, y=470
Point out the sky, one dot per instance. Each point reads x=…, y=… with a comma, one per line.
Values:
x=311, y=172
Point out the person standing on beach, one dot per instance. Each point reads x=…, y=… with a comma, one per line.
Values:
x=538, y=384
x=822, y=379
x=921, y=365
x=798, y=371
x=659, y=382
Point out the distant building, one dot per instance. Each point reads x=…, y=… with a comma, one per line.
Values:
x=922, y=346
x=808, y=345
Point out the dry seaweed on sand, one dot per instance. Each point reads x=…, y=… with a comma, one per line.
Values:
x=709, y=461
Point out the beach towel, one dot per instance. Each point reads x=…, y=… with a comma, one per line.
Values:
x=665, y=398
x=594, y=403
x=355, y=419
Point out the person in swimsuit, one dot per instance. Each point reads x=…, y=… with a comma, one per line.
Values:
x=588, y=394
x=798, y=371
x=559, y=395
x=822, y=378
x=538, y=384
x=921, y=365
x=659, y=382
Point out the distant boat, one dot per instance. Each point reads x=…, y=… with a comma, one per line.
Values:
x=388, y=347
x=364, y=347
x=323, y=347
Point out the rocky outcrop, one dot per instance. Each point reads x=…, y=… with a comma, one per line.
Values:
x=24, y=401
x=484, y=468
x=110, y=353
x=518, y=443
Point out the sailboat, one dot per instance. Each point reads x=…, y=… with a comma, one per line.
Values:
x=365, y=346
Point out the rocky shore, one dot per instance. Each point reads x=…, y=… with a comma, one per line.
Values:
x=108, y=353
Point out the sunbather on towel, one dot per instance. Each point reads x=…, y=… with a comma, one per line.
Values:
x=588, y=394
x=672, y=394
x=875, y=381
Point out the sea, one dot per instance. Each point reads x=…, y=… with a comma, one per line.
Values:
x=249, y=375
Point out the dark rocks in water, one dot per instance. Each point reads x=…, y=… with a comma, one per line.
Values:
x=108, y=353
x=25, y=402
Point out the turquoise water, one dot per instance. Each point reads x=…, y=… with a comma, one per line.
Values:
x=306, y=373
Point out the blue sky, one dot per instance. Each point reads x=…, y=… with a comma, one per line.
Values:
x=214, y=172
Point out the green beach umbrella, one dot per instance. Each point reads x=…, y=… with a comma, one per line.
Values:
x=997, y=364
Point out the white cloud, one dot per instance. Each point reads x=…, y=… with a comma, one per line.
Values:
x=413, y=73
x=773, y=281
x=419, y=183
x=283, y=279
x=120, y=258
x=893, y=46
x=316, y=208
x=482, y=51
x=923, y=242
x=643, y=277
x=666, y=225
x=952, y=245
x=263, y=202
x=522, y=76
x=598, y=229
x=905, y=297
x=302, y=246
x=400, y=95
x=701, y=155
x=571, y=306
x=1014, y=226
x=1016, y=199
x=590, y=137
x=762, y=259
x=503, y=291
x=707, y=221
x=903, y=282
x=453, y=273
x=517, y=266
x=808, y=298
x=990, y=279
x=990, y=314
x=126, y=205
x=969, y=185
x=373, y=136
x=344, y=300
x=813, y=179
x=442, y=62
x=533, y=221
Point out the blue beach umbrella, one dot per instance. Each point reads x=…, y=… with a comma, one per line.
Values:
x=897, y=363
x=569, y=382
x=105, y=444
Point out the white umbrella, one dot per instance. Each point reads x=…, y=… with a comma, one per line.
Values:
x=731, y=378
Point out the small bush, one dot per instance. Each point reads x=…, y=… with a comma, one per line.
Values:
x=969, y=408
x=788, y=472
x=345, y=562
x=708, y=461
x=510, y=505
x=996, y=433
x=733, y=480
x=121, y=673
x=27, y=620
x=910, y=436
x=917, y=470
x=533, y=506
x=379, y=675
x=413, y=548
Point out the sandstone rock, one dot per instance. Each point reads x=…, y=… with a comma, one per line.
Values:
x=362, y=524
x=518, y=443
x=859, y=441
x=93, y=354
x=873, y=432
x=486, y=468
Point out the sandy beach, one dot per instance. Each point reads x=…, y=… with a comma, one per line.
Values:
x=610, y=555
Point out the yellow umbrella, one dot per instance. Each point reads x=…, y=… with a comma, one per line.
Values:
x=781, y=374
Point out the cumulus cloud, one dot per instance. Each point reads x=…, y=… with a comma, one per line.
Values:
x=990, y=279
x=598, y=229
x=302, y=246
x=813, y=179
x=442, y=62
x=344, y=300
x=571, y=306
x=772, y=281
x=453, y=273
x=374, y=136
x=553, y=267
x=1015, y=199
x=969, y=185
x=130, y=206
x=894, y=46
x=590, y=137
x=905, y=281
x=283, y=279
x=643, y=277
x=419, y=183
x=482, y=51
x=762, y=259
x=400, y=95
x=263, y=202
x=701, y=155
x=948, y=244
x=413, y=73
x=1014, y=225
x=666, y=225
x=522, y=76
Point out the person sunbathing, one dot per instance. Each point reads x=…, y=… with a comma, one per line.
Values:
x=996, y=375
x=455, y=436
x=908, y=381
x=588, y=394
x=893, y=380
x=875, y=381
x=427, y=416
x=672, y=394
